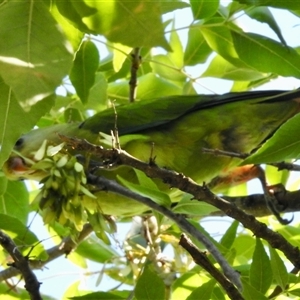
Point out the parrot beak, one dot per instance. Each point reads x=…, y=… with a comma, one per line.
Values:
x=17, y=165
x=15, y=168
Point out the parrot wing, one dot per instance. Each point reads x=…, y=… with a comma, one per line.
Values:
x=147, y=114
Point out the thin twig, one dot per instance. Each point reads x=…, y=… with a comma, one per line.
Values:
x=218, y=152
x=135, y=64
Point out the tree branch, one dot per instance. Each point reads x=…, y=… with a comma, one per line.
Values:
x=201, y=259
x=201, y=193
x=286, y=201
x=135, y=64
x=182, y=223
x=21, y=264
x=66, y=246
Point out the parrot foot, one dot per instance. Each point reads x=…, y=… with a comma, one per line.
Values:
x=269, y=194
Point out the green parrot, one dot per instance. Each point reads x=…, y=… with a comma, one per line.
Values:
x=175, y=129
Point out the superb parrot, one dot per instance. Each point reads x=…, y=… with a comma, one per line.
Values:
x=176, y=129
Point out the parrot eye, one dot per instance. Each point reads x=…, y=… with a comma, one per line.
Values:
x=19, y=142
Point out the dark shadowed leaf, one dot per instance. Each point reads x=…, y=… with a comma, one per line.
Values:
x=263, y=14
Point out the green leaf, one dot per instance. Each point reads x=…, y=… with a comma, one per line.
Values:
x=176, y=55
x=155, y=194
x=170, y=66
x=203, y=292
x=11, y=113
x=264, y=15
x=120, y=54
x=149, y=286
x=18, y=293
x=99, y=296
x=266, y=55
x=84, y=68
x=73, y=115
x=171, y=5
x=183, y=285
x=3, y=184
x=204, y=232
x=230, y=235
x=148, y=86
x=219, y=39
x=273, y=3
x=197, y=50
x=15, y=200
x=144, y=180
x=132, y=23
x=75, y=11
x=21, y=235
x=78, y=260
x=36, y=57
x=203, y=9
x=291, y=233
x=260, y=271
x=280, y=273
x=218, y=294
x=166, y=68
x=275, y=176
x=221, y=68
x=114, y=295
x=98, y=94
x=244, y=245
x=250, y=293
x=73, y=35
x=96, y=250
x=283, y=145
x=295, y=292
x=193, y=207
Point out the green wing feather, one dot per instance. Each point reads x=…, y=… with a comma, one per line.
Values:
x=148, y=114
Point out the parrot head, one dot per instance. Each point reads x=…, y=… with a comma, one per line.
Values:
x=30, y=147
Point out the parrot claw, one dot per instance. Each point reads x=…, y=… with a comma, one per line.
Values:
x=285, y=221
x=269, y=194
x=270, y=203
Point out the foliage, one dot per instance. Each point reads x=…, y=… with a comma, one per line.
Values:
x=64, y=60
